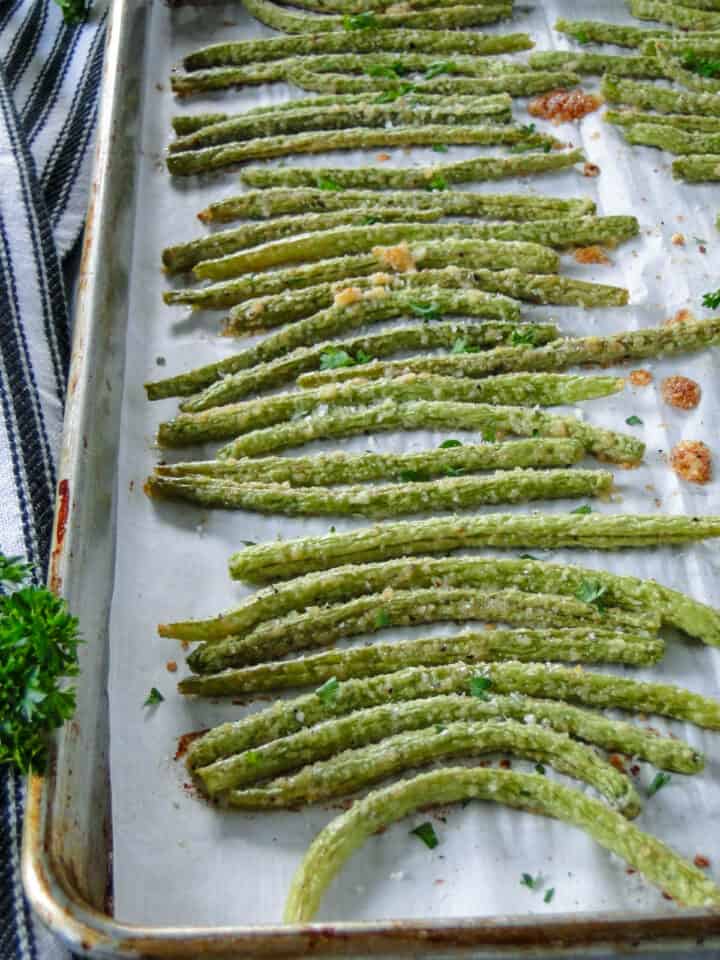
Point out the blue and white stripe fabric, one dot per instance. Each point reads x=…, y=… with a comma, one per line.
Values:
x=49, y=93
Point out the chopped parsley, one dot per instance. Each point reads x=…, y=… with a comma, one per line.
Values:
x=382, y=619
x=539, y=768
x=413, y=476
x=360, y=21
x=532, y=883
x=426, y=833
x=38, y=648
x=704, y=66
x=249, y=543
x=438, y=182
x=591, y=591
x=528, y=128
x=391, y=70
x=479, y=687
x=454, y=471
x=489, y=435
x=335, y=359
x=153, y=698
x=461, y=346
x=549, y=894
x=581, y=36
x=327, y=183
x=659, y=781
x=328, y=691
x=428, y=311
x=585, y=508
x=440, y=148
x=523, y=338
x=634, y=421
x=388, y=96
x=447, y=444
x=438, y=67
x=712, y=300
x=529, y=556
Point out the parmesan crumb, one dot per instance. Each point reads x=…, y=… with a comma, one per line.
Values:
x=346, y=296
x=398, y=258
x=681, y=392
x=692, y=461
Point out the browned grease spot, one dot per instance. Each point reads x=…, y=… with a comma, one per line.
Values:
x=692, y=461
x=640, y=378
x=63, y=510
x=681, y=392
x=561, y=106
x=185, y=740
x=682, y=316
x=591, y=170
x=701, y=861
x=592, y=254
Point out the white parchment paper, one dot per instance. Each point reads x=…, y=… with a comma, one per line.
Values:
x=179, y=861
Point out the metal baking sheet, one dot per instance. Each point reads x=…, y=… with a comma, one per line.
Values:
x=113, y=830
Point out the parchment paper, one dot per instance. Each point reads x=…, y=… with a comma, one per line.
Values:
x=179, y=861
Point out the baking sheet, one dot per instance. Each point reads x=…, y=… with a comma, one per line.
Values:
x=178, y=861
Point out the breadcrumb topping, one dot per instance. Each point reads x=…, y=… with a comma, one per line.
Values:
x=681, y=392
x=692, y=461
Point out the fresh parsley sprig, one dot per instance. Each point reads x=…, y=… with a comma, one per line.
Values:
x=73, y=11
x=38, y=649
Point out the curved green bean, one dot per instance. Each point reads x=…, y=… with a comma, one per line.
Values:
x=280, y=561
x=597, y=31
x=597, y=63
x=649, y=96
x=356, y=769
x=630, y=118
x=673, y=140
x=676, y=14
x=697, y=168
x=335, y=844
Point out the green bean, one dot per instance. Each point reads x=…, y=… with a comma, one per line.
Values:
x=317, y=728
x=697, y=168
x=648, y=96
x=252, y=74
x=444, y=18
x=666, y=340
x=673, y=140
x=342, y=115
x=485, y=334
x=266, y=312
x=597, y=31
x=630, y=118
x=258, y=204
x=335, y=844
x=216, y=770
x=280, y=561
x=191, y=162
x=570, y=644
x=515, y=388
x=322, y=627
x=183, y=124
x=338, y=466
x=184, y=256
x=518, y=84
x=383, y=500
x=597, y=63
x=431, y=414
x=553, y=233
x=401, y=65
x=209, y=420
x=415, y=178
x=355, y=41
x=355, y=769
x=701, y=44
x=676, y=14
x=676, y=609
x=437, y=254
x=349, y=8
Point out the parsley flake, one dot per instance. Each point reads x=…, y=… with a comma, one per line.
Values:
x=249, y=543
x=426, y=833
x=539, y=768
x=479, y=687
x=549, y=894
x=413, y=476
x=428, y=311
x=382, y=619
x=523, y=337
x=391, y=70
x=659, y=781
x=529, y=556
x=438, y=67
x=153, y=698
x=328, y=691
x=581, y=511
x=334, y=359
x=73, y=11
x=712, y=300
x=703, y=66
x=532, y=883
x=389, y=96
x=447, y=444
x=634, y=421
x=489, y=435
x=591, y=591
x=360, y=21
x=581, y=36
x=327, y=183
x=440, y=148
x=438, y=182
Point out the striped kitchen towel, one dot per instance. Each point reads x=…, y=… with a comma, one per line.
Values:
x=50, y=76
